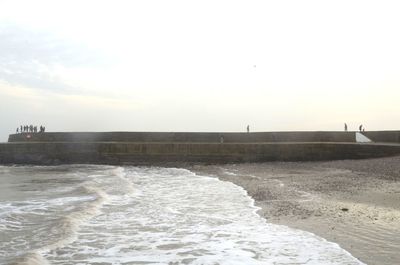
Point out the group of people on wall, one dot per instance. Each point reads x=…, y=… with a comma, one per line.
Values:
x=30, y=129
x=360, y=128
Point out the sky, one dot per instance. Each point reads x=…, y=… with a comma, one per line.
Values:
x=151, y=65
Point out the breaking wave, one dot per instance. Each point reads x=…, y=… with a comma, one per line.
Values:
x=141, y=215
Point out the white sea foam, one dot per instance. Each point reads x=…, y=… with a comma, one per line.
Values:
x=229, y=173
x=118, y=215
x=33, y=258
x=4, y=169
x=68, y=226
x=183, y=218
x=40, y=225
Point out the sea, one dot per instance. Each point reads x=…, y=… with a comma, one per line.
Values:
x=98, y=214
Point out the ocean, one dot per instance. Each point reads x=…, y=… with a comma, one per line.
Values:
x=95, y=214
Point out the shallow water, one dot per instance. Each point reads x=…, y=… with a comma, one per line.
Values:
x=83, y=214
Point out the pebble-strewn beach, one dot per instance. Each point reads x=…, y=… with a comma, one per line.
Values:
x=355, y=203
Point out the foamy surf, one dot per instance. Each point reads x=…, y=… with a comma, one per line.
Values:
x=33, y=258
x=160, y=216
x=52, y=222
x=68, y=226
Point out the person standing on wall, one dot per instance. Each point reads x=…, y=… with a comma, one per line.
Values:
x=248, y=128
x=345, y=127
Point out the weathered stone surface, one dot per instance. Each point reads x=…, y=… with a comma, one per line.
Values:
x=383, y=136
x=191, y=137
x=158, y=153
x=157, y=148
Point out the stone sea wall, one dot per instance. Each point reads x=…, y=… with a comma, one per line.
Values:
x=161, y=153
x=383, y=136
x=192, y=137
x=160, y=148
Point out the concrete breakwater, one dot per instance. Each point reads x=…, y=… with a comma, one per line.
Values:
x=383, y=136
x=156, y=148
x=187, y=137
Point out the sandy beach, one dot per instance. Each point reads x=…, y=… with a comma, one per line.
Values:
x=355, y=203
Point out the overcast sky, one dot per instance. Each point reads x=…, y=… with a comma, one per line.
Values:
x=199, y=65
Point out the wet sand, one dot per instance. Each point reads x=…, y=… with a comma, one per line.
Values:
x=355, y=203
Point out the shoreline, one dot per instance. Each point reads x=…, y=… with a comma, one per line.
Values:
x=354, y=203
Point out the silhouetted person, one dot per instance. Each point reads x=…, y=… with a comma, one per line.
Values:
x=360, y=128
x=345, y=127
x=21, y=129
x=17, y=130
x=248, y=128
